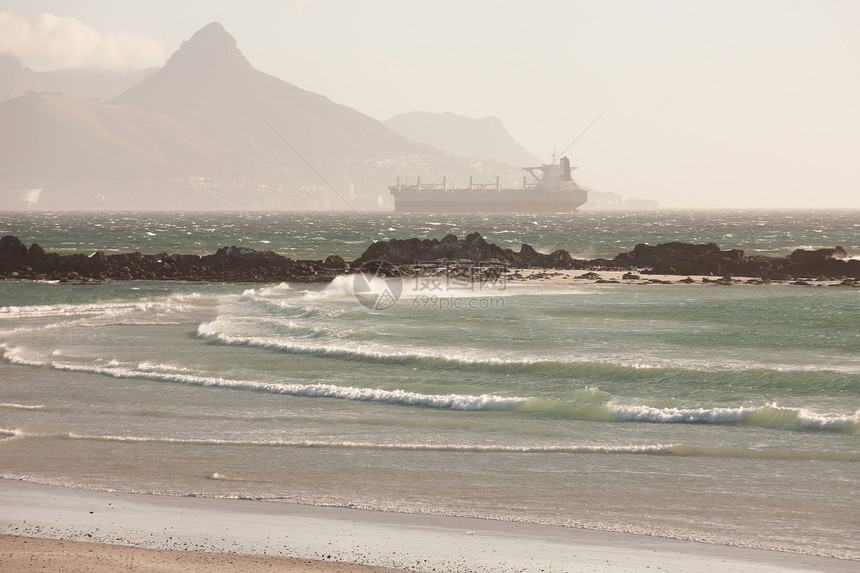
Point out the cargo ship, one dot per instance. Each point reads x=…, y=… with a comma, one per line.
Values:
x=551, y=189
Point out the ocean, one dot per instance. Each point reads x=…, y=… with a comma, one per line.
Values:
x=729, y=415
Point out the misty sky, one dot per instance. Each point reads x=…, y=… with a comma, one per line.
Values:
x=717, y=104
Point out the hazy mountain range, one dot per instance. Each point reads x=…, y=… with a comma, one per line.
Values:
x=484, y=138
x=89, y=83
x=208, y=130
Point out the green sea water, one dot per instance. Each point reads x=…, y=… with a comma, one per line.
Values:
x=724, y=414
x=317, y=235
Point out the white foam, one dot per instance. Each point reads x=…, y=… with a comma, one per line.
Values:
x=343, y=287
x=773, y=414
x=221, y=477
x=676, y=415
x=96, y=314
x=768, y=415
x=811, y=419
x=6, y=434
x=333, y=347
x=61, y=310
x=346, y=444
x=15, y=355
x=13, y=406
x=156, y=372
x=270, y=290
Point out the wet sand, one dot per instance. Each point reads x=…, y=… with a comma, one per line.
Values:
x=80, y=530
x=30, y=554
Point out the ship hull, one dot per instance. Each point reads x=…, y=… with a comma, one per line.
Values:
x=504, y=201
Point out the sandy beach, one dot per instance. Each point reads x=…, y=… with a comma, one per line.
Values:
x=47, y=527
x=39, y=554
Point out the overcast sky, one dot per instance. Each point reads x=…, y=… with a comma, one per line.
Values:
x=709, y=103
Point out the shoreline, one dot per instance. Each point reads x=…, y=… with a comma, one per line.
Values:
x=234, y=534
x=515, y=276
x=643, y=277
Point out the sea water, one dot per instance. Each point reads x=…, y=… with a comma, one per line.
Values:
x=723, y=414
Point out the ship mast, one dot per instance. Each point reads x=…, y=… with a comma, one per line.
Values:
x=581, y=134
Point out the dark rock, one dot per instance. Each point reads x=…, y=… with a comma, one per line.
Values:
x=334, y=262
x=227, y=264
x=476, y=249
x=821, y=262
x=397, y=251
x=803, y=256
x=241, y=264
x=35, y=251
x=559, y=259
x=12, y=249
x=527, y=252
x=708, y=259
x=473, y=248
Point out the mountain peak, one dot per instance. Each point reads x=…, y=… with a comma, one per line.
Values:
x=211, y=44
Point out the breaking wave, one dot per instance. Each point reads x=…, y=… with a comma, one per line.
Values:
x=768, y=415
x=675, y=450
x=354, y=345
x=12, y=406
x=586, y=404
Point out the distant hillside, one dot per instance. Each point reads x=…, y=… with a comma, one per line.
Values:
x=484, y=138
x=54, y=136
x=89, y=83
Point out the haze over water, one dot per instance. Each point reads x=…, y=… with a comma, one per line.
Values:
x=724, y=414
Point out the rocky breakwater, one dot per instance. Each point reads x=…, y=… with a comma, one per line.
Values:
x=684, y=259
x=419, y=256
x=664, y=259
x=228, y=264
x=709, y=259
x=473, y=249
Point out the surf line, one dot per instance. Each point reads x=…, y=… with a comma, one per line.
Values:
x=308, y=163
